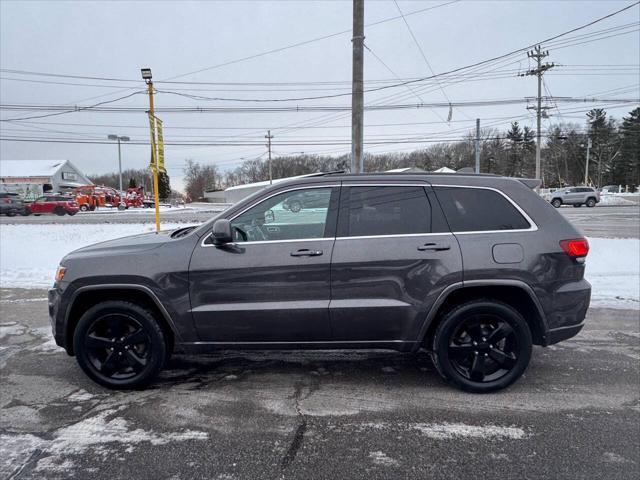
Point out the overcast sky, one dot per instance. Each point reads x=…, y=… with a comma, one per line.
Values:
x=115, y=39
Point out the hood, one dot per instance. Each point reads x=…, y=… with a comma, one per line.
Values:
x=122, y=246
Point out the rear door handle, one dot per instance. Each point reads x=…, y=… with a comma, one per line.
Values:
x=305, y=252
x=434, y=246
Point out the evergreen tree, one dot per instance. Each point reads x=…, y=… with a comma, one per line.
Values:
x=132, y=183
x=164, y=186
x=627, y=166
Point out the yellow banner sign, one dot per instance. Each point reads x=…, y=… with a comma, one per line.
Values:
x=157, y=144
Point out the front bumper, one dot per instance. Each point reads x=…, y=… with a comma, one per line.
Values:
x=56, y=316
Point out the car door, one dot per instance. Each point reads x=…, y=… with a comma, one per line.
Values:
x=393, y=257
x=38, y=205
x=272, y=285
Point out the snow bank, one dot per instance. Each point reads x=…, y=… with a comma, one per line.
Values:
x=29, y=255
x=615, y=199
x=613, y=269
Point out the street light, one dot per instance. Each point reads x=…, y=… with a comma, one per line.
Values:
x=146, y=74
x=119, y=139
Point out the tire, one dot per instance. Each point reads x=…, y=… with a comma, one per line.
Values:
x=11, y=213
x=295, y=206
x=464, y=364
x=92, y=208
x=591, y=202
x=105, y=348
x=59, y=211
x=25, y=212
x=556, y=202
x=577, y=205
x=84, y=207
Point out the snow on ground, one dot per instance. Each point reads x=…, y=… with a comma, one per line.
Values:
x=615, y=199
x=613, y=268
x=29, y=256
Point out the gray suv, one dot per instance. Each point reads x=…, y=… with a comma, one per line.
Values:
x=576, y=196
x=474, y=269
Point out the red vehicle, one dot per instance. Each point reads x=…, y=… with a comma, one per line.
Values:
x=57, y=204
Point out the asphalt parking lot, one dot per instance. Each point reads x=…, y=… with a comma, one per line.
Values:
x=373, y=414
x=575, y=413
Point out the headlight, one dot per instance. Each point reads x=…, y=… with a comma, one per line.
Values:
x=60, y=273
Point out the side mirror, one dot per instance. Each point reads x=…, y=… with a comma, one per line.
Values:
x=221, y=232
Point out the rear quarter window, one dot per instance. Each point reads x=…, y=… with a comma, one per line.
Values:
x=479, y=210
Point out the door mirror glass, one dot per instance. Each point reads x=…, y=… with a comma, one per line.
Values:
x=221, y=232
x=269, y=216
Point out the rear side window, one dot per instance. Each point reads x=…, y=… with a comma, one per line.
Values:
x=479, y=210
x=380, y=210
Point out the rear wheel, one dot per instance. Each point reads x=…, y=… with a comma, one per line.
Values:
x=591, y=202
x=556, y=202
x=120, y=345
x=11, y=213
x=59, y=211
x=84, y=207
x=482, y=346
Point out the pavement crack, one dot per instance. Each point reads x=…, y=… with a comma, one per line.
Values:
x=298, y=436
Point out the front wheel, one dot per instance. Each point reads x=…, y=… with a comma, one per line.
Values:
x=119, y=345
x=482, y=346
x=59, y=211
x=591, y=202
x=556, y=202
x=84, y=207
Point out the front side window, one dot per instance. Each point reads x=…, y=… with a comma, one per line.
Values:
x=292, y=215
x=478, y=210
x=382, y=210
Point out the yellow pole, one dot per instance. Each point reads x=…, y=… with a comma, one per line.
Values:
x=154, y=156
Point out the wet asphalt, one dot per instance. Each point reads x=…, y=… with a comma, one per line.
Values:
x=319, y=415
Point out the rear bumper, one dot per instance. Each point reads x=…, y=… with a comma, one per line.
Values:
x=567, y=311
x=563, y=333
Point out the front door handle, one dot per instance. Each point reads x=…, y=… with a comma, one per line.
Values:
x=434, y=247
x=305, y=252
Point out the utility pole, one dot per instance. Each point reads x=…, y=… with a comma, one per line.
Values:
x=586, y=165
x=537, y=54
x=357, y=100
x=477, y=145
x=119, y=139
x=268, y=136
x=146, y=75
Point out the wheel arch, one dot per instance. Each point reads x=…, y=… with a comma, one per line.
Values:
x=88, y=296
x=514, y=293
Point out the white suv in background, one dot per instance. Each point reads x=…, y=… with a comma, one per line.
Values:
x=576, y=196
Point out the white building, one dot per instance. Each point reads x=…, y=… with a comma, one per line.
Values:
x=31, y=178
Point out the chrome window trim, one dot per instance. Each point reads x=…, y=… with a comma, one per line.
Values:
x=533, y=226
x=394, y=235
x=292, y=189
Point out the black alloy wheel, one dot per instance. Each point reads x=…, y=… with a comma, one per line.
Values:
x=482, y=346
x=119, y=345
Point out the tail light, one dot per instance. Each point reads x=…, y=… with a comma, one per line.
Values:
x=575, y=248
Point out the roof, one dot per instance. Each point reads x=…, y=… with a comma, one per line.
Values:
x=30, y=168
